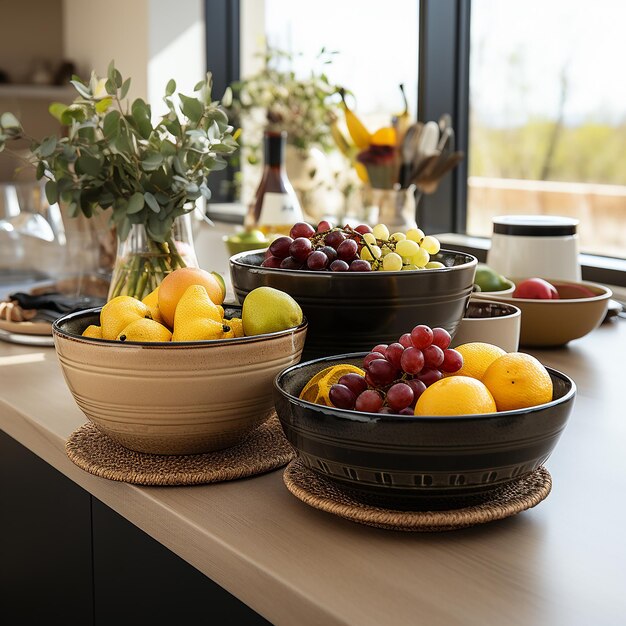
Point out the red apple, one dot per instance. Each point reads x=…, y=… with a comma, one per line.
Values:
x=536, y=289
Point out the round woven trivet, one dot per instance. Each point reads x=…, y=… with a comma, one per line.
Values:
x=320, y=493
x=264, y=450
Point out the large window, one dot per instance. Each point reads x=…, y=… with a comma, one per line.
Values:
x=544, y=126
x=548, y=116
x=376, y=49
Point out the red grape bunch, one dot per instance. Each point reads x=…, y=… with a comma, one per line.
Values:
x=397, y=374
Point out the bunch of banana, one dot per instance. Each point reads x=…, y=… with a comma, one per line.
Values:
x=359, y=135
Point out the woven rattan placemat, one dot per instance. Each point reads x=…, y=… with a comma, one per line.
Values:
x=320, y=493
x=264, y=450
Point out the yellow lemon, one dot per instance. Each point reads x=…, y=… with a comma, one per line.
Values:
x=456, y=395
x=318, y=388
x=93, y=331
x=119, y=312
x=143, y=329
x=236, y=326
x=200, y=329
x=517, y=380
x=477, y=357
x=196, y=304
x=152, y=302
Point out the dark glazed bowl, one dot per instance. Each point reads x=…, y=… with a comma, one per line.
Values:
x=418, y=462
x=354, y=311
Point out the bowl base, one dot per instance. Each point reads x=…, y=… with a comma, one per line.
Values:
x=326, y=495
x=415, y=499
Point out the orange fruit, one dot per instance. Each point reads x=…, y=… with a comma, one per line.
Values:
x=175, y=284
x=477, y=357
x=456, y=395
x=318, y=388
x=517, y=381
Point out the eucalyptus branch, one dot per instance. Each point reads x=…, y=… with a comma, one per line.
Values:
x=115, y=158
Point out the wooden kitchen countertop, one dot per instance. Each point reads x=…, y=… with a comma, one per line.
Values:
x=563, y=562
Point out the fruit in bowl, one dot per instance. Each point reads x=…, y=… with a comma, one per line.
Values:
x=349, y=310
x=536, y=288
x=187, y=307
x=487, y=280
x=202, y=385
x=253, y=239
x=578, y=308
x=463, y=444
x=347, y=249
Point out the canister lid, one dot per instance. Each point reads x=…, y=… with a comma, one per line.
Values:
x=535, y=225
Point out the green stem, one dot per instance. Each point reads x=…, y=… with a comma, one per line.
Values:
x=120, y=282
x=141, y=287
x=178, y=260
x=133, y=271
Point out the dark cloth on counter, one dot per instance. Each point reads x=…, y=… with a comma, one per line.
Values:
x=56, y=303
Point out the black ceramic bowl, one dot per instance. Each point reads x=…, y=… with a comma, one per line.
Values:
x=418, y=462
x=354, y=311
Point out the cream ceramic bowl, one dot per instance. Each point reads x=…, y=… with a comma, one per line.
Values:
x=174, y=398
x=492, y=322
x=550, y=323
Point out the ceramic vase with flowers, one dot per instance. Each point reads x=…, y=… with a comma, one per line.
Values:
x=149, y=175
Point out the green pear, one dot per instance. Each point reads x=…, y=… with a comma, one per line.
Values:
x=268, y=310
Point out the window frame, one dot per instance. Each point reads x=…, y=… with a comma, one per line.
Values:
x=443, y=87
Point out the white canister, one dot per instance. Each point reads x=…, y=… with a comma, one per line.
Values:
x=535, y=245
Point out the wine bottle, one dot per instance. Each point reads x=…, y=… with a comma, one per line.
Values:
x=276, y=207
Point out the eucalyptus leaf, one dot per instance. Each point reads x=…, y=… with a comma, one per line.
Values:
x=124, y=229
x=83, y=90
x=141, y=116
x=47, y=147
x=191, y=107
x=103, y=105
x=151, y=201
x=125, y=88
x=8, y=120
x=110, y=125
x=51, y=192
x=135, y=204
x=86, y=164
x=152, y=162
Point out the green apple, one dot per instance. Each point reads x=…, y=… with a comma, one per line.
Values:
x=252, y=236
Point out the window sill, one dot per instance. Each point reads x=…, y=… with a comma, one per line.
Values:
x=597, y=269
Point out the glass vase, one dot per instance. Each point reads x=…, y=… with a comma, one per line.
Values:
x=142, y=263
x=396, y=208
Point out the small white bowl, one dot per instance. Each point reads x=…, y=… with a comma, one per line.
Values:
x=492, y=322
